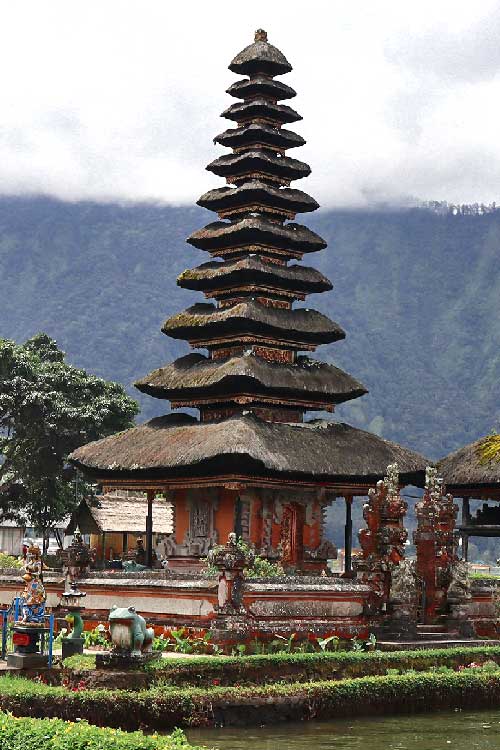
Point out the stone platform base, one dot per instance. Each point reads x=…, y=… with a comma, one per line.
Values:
x=26, y=661
x=72, y=646
x=111, y=660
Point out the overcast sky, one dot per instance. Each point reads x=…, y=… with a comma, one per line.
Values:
x=120, y=99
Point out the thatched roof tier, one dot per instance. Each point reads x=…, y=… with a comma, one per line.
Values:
x=259, y=134
x=260, y=86
x=234, y=166
x=195, y=376
x=121, y=514
x=321, y=452
x=260, y=58
x=253, y=272
x=261, y=109
x=245, y=320
x=256, y=195
x=464, y=470
x=258, y=231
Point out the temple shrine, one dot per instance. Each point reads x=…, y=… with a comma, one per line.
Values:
x=253, y=462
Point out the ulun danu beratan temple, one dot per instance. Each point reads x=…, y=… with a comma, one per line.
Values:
x=254, y=462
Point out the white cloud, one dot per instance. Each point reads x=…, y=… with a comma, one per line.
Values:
x=121, y=99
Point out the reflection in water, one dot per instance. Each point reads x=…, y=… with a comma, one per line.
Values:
x=461, y=730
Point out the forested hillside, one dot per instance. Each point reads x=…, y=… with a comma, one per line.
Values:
x=417, y=292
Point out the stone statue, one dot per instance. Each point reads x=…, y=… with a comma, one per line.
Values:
x=74, y=620
x=459, y=588
x=129, y=633
x=33, y=597
x=404, y=583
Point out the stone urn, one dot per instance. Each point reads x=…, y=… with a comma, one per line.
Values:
x=230, y=560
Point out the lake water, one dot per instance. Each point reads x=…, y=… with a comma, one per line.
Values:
x=459, y=730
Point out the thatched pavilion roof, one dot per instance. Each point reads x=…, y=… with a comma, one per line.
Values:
x=259, y=160
x=257, y=193
x=257, y=230
x=261, y=108
x=179, y=446
x=463, y=469
x=260, y=57
x=204, y=321
x=195, y=375
x=259, y=133
x=121, y=514
x=253, y=271
x=260, y=86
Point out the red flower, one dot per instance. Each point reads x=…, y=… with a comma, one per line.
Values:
x=216, y=681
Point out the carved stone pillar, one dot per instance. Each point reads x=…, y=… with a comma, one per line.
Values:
x=382, y=542
x=436, y=544
x=230, y=560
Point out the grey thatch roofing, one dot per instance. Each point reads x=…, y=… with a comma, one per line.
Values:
x=257, y=193
x=259, y=133
x=203, y=321
x=261, y=108
x=121, y=514
x=260, y=57
x=259, y=160
x=261, y=86
x=257, y=230
x=253, y=271
x=307, y=379
x=318, y=451
x=463, y=468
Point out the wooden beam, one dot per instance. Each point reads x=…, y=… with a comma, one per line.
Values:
x=149, y=529
x=348, y=537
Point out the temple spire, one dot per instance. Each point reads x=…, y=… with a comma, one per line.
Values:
x=250, y=328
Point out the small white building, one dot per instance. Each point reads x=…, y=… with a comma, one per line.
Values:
x=11, y=538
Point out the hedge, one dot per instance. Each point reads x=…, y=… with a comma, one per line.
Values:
x=264, y=669
x=165, y=708
x=34, y=734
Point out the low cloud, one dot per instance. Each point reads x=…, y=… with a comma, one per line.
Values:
x=121, y=100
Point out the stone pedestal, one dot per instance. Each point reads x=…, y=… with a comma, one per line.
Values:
x=27, y=654
x=72, y=646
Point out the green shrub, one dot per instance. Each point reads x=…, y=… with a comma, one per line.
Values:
x=35, y=734
x=9, y=561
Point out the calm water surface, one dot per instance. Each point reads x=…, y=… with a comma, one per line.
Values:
x=442, y=731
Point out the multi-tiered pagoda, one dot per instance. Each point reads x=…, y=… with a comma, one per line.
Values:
x=252, y=463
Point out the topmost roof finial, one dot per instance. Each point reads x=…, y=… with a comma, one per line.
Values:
x=260, y=35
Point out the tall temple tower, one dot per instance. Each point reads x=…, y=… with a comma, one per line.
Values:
x=251, y=463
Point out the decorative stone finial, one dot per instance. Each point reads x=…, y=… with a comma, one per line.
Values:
x=261, y=35
x=392, y=479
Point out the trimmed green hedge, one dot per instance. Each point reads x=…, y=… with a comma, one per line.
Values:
x=165, y=708
x=268, y=668
x=35, y=734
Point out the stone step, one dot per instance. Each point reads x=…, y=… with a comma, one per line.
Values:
x=431, y=628
x=423, y=644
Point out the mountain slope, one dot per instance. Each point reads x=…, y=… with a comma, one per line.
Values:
x=417, y=292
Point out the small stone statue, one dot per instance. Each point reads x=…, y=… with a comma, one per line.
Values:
x=33, y=597
x=129, y=633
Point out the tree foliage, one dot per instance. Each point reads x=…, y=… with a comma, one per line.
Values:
x=48, y=408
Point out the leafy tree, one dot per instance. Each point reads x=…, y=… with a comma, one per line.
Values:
x=48, y=408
